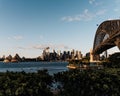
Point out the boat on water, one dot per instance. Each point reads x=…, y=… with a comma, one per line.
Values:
x=92, y=65
x=71, y=67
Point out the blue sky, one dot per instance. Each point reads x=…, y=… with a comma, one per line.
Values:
x=28, y=26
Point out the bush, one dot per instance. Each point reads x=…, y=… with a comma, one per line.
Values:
x=25, y=84
x=89, y=83
x=112, y=62
x=115, y=60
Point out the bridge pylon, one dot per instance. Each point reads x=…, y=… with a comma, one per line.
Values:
x=94, y=57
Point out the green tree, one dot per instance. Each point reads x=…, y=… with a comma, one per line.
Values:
x=89, y=83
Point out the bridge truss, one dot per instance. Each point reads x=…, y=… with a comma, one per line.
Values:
x=107, y=36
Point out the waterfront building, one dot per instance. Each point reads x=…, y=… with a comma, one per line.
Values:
x=59, y=52
x=73, y=54
x=65, y=55
x=6, y=60
x=46, y=54
x=78, y=55
x=14, y=59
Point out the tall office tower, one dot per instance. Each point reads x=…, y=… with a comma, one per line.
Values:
x=80, y=55
x=46, y=54
x=69, y=55
x=73, y=54
x=47, y=50
x=58, y=52
x=64, y=55
x=77, y=55
x=54, y=55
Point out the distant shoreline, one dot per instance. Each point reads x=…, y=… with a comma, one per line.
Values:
x=35, y=61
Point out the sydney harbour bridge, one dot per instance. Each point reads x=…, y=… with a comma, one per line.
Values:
x=107, y=36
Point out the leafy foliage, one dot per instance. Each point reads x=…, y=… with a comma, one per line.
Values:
x=113, y=61
x=25, y=84
x=89, y=83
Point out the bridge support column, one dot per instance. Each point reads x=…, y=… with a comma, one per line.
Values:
x=97, y=57
x=94, y=57
x=91, y=55
x=117, y=42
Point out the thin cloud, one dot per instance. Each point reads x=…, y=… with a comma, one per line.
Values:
x=44, y=46
x=41, y=37
x=52, y=46
x=41, y=47
x=70, y=18
x=22, y=48
x=117, y=10
x=15, y=38
x=95, y=3
x=101, y=12
x=85, y=16
x=18, y=37
x=91, y=1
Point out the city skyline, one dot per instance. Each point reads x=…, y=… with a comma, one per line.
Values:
x=29, y=26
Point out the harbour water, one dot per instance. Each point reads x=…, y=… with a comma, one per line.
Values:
x=52, y=67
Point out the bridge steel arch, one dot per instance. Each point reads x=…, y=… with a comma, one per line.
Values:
x=107, y=36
